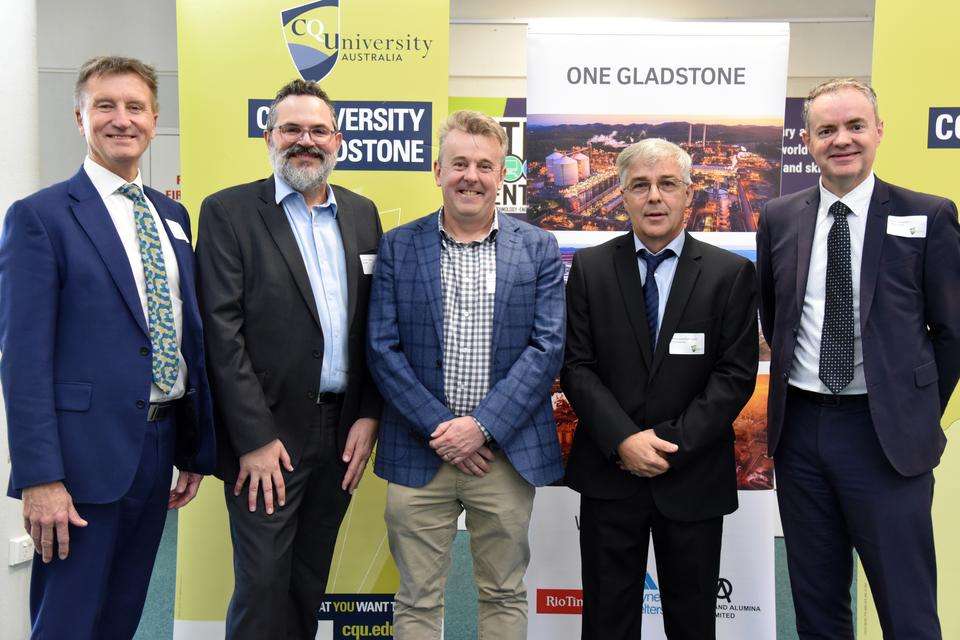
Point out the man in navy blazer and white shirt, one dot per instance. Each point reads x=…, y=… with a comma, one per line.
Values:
x=858, y=288
x=102, y=366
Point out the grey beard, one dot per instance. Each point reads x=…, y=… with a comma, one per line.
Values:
x=302, y=179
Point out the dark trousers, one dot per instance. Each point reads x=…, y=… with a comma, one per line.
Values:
x=99, y=590
x=837, y=492
x=614, y=538
x=281, y=561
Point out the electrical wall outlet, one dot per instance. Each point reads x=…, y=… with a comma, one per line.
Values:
x=21, y=550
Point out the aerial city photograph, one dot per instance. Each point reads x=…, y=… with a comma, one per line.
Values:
x=572, y=182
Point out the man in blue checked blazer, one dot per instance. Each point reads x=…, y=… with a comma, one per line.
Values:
x=103, y=366
x=465, y=339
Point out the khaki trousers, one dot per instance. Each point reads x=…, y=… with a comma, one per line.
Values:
x=421, y=525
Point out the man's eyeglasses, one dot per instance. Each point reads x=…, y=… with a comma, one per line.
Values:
x=641, y=188
x=293, y=132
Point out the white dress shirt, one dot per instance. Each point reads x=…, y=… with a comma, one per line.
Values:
x=120, y=209
x=805, y=371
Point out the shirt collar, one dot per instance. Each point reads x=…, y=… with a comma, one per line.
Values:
x=491, y=234
x=106, y=182
x=676, y=244
x=284, y=191
x=858, y=200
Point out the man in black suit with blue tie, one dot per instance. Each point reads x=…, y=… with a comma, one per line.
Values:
x=858, y=287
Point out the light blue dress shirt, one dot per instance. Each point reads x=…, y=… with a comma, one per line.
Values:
x=664, y=273
x=318, y=236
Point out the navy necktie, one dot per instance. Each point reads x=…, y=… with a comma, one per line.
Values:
x=836, y=341
x=651, y=294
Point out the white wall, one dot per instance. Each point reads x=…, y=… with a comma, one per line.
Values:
x=18, y=177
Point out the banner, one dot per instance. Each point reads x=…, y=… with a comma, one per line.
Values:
x=717, y=90
x=921, y=151
x=387, y=72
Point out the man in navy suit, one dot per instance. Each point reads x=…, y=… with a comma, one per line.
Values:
x=858, y=287
x=102, y=367
x=465, y=339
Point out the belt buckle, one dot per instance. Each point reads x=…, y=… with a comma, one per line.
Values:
x=153, y=412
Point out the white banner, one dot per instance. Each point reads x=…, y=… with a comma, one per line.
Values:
x=621, y=66
x=717, y=90
x=746, y=606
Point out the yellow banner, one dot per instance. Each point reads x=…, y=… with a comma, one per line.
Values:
x=920, y=107
x=387, y=71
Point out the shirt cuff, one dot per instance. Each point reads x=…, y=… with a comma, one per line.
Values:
x=483, y=429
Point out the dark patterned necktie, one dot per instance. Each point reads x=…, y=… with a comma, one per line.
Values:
x=651, y=294
x=836, y=341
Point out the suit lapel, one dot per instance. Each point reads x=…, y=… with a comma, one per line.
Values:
x=348, y=235
x=806, y=225
x=93, y=216
x=872, y=245
x=508, y=255
x=684, y=279
x=277, y=224
x=426, y=241
x=631, y=288
x=182, y=250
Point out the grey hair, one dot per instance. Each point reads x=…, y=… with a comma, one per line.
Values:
x=833, y=86
x=651, y=151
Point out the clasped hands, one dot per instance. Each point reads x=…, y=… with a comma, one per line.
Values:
x=644, y=454
x=461, y=443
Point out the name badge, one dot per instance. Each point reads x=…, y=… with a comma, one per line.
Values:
x=907, y=226
x=367, y=261
x=177, y=230
x=687, y=344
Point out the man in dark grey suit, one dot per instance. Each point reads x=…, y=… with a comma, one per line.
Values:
x=285, y=266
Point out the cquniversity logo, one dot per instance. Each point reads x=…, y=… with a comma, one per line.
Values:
x=312, y=34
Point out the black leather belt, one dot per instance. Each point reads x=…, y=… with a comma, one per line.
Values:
x=328, y=397
x=829, y=399
x=160, y=411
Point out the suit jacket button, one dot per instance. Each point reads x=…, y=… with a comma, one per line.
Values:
x=312, y=395
x=786, y=376
x=317, y=353
x=439, y=363
x=141, y=404
x=144, y=351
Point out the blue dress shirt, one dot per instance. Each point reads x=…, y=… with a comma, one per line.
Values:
x=663, y=275
x=318, y=236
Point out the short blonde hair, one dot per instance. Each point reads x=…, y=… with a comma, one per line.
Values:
x=474, y=123
x=833, y=86
x=112, y=66
x=651, y=151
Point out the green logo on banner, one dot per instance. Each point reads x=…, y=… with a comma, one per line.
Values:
x=514, y=168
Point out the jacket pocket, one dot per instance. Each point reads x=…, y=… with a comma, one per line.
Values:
x=926, y=374
x=72, y=396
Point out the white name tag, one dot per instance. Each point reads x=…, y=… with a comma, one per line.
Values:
x=491, y=282
x=367, y=261
x=687, y=344
x=177, y=230
x=907, y=226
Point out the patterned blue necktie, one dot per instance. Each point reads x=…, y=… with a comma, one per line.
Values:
x=836, y=340
x=651, y=294
x=163, y=331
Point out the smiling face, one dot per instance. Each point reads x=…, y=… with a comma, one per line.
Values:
x=118, y=121
x=470, y=171
x=843, y=138
x=655, y=196
x=304, y=161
